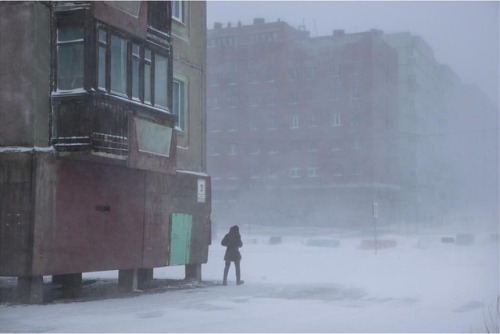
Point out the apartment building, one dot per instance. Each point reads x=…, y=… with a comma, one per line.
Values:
x=301, y=130
x=102, y=141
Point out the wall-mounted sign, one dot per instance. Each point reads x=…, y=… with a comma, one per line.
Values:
x=201, y=190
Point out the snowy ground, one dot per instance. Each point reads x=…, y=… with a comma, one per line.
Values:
x=420, y=285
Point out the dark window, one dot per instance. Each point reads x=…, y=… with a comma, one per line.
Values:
x=102, y=47
x=136, y=62
x=159, y=16
x=147, y=76
x=70, y=57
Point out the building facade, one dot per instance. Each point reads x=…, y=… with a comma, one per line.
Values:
x=445, y=127
x=301, y=130
x=102, y=138
x=424, y=86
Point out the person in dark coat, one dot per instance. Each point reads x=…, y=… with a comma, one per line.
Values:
x=232, y=241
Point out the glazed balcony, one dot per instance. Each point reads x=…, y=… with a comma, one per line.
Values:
x=94, y=126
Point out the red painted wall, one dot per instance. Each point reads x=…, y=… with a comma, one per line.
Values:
x=98, y=219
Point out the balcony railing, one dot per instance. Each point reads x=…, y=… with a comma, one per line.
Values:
x=97, y=124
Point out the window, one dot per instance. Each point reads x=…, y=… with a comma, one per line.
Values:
x=147, y=76
x=132, y=70
x=312, y=171
x=272, y=150
x=355, y=94
x=232, y=101
x=256, y=150
x=160, y=87
x=136, y=61
x=337, y=120
x=270, y=75
x=256, y=175
x=294, y=172
x=231, y=78
x=214, y=151
x=233, y=149
x=254, y=101
x=102, y=45
x=70, y=46
x=159, y=16
x=118, y=65
x=232, y=125
x=253, y=75
x=335, y=70
x=272, y=176
x=179, y=104
x=178, y=10
x=313, y=121
x=271, y=123
x=311, y=73
x=313, y=146
x=271, y=98
x=356, y=145
x=216, y=103
x=294, y=122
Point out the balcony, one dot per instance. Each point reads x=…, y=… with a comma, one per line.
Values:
x=94, y=126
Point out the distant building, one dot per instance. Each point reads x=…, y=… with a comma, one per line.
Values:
x=473, y=152
x=424, y=87
x=301, y=130
x=315, y=130
x=102, y=141
x=448, y=143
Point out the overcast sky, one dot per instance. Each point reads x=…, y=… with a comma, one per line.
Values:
x=463, y=34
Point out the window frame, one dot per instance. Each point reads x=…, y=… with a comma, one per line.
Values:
x=77, y=17
x=182, y=112
x=312, y=171
x=178, y=12
x=337, y=119
x=294, y=172
x=146, y=59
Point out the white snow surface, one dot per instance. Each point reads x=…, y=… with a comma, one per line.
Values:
x=420, y=285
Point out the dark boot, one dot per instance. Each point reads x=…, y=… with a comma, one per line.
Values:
x=226, y=271
x=238, y=273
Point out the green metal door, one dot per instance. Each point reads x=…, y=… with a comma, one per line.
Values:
x=180, y=238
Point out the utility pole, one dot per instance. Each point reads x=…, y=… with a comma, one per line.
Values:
x=375, y=216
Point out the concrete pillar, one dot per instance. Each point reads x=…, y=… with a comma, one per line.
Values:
x=193, y=272
x=127, y=280
x=71, y=284
x=144, y=278
x=30, y=289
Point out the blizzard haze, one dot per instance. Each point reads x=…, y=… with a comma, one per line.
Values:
x=421, y=285
x=463, y=34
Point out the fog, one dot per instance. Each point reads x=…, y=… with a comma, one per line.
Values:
x=414, y=283
x=463, y=34
x=442, y=187
x=323, y=257
x=457, y=147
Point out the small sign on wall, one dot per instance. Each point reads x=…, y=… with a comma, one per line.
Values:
x=201, y=190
